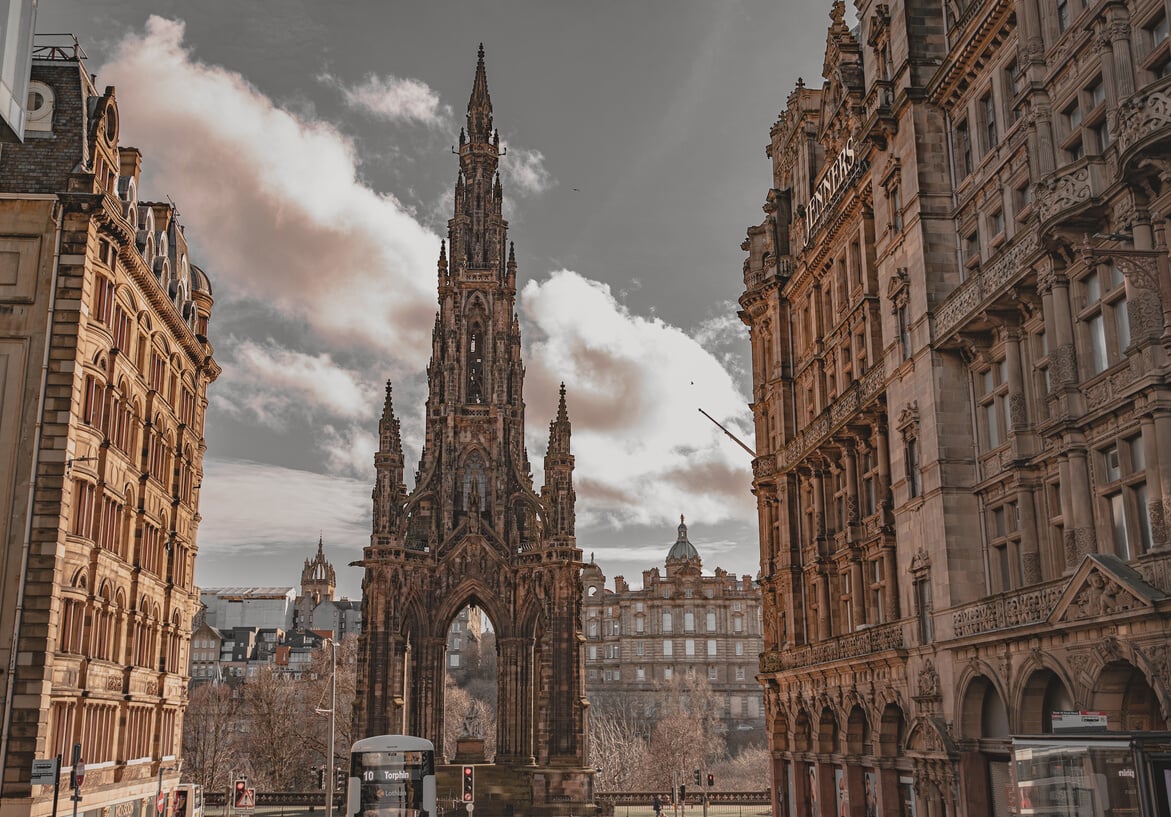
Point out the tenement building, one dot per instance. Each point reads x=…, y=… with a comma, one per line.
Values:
x=679, y=621
x=104, y=369
x=958, y=303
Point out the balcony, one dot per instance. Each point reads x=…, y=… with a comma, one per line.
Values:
x=847, y=647
x=851, y=401
x=1067, y=196
x=879, y=122
x=1015, y=609
x=1142, y=125
x=984, y=285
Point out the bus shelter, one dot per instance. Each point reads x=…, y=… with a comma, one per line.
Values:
x=1105, y=774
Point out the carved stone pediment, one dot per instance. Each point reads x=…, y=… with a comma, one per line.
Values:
x=929, y=736
x=1103, y=586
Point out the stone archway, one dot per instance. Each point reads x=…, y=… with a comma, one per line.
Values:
x=1123, y=692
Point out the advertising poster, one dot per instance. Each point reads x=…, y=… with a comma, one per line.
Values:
x=811, y=800
x=870, y=793
x=841, y=796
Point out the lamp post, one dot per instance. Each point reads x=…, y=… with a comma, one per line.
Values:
x=332, y=725
x=159, y=794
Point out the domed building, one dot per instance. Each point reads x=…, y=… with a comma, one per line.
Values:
x=678, y=621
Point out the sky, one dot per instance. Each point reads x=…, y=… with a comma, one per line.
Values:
x=308, y=148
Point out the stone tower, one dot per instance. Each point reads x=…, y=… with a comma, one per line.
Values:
x=474, y=530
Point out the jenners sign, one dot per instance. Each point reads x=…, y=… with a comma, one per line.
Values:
x=837, y=177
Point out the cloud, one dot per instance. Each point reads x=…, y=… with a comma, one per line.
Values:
x=241, y=509
x=271, y=382
x=395, y=99
x=644, y=453
x=350, y=450
x=523, y=170
x=292, y=224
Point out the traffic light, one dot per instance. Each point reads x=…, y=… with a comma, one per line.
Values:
x=319, y=771
x=469, y=783
x=698, y=781
x=240, y=793
x=682, y=792
x=339, y=778
x=711, y=780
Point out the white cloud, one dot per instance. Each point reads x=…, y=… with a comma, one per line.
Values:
x=644, y=453
x=272, y=200
x=523, y=171
x=395, y=99
x=265, y=508
x=270, y=382
x=350, y=450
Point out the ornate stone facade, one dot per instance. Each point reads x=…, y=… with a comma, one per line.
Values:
x=473, y=531
x=959, y=310
x=712, y=624
x=104, y=370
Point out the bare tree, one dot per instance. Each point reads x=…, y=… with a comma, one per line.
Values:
x=685, y=737
x=618, y=743
x=209, y=735
x=279, y=720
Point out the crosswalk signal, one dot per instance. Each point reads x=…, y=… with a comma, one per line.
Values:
x=698, y=782
x=339, y=778
x=711, y=780
x=240, y=792
x=469, y=783
x=319, y=773
x=682, y=792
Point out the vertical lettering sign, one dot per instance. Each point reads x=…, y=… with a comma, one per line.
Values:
x=836, y=177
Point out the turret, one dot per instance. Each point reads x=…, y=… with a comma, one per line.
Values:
x=480, y=105
x=558, y=490
x=389, y=489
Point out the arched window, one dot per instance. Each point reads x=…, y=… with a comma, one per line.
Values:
x=475, y=363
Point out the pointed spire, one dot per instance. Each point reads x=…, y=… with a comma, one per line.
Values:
x=562, y=413
x=480, y=104
x=390, y=440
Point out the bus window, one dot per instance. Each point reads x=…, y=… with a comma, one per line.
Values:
x=392, y=776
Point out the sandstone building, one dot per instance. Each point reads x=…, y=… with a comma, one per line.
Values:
x=958, y=303
x=104, y=370
x=678, y=621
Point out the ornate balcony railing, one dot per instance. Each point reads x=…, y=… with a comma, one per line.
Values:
x=847, y=405
x=1069, y=188
x=856, y=644
x=984, y=285
x=1143, y=119
x=1023, y=607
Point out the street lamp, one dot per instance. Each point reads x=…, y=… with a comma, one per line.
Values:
x=159, y=794
x=332, y=724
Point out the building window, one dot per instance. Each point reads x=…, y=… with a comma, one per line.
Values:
x=668, y=648
x=688, y=621
x=711, y=621
x=640, y=674
x=93, y=410
x=593, y=652
x=988, y=112
x=639, y=624
x=1157, y=61
x=1042, y=380
x=992, y=401
x=868, y=468
x=847, y=602
x=739, y=648
x=711, y=648
x=894, y=200
x=1062, y=16
x=1125, y=497
x=689, y=647
x=667, y=623
x=638, y=648
x=453, y=660
x=84, y=504
x=711, y=674
x=963, y=146
x=903, y=317
x=737, y=624
x=1105, y=317
x=593, y=629
x=667, y=673
x=1003, y=547
x=911, y=459
x=740, y=674
x=923, y=609
x=972, y=249
x=877, y=591
x=1073, y=145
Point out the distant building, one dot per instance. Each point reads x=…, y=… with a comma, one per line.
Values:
x=241, y=629
x=104, y=371
x=638, y=639
x=464, y=639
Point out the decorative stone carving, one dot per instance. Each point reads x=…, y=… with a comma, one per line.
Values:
x=1014, y=610
x=1100, y=595
x=1141, y=116
x=929, y=681
x=1062, y=192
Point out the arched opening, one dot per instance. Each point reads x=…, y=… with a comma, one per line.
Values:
x=1128, y=700
x=803, y=733
x=1044, y=694
x=470, y=687
x=475, y=368
x=857, y=732
x=827, y=732
x=891, y=731
x=986, y=770
x=474, y=485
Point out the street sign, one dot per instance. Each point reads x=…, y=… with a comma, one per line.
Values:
x=249, y=800
x=160, y=802
x=45, y=772
x=78, y=774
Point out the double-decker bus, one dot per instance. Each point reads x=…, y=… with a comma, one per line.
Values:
x=391, y=776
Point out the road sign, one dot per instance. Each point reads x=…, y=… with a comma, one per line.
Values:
x=249, y=800
x=160, y=802
x=470, y=807
x=78, y=774
x=45, y=772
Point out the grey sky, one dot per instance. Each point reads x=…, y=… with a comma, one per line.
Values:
x=307, y=145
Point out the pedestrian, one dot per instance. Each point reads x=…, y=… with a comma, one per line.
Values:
x=657, y=805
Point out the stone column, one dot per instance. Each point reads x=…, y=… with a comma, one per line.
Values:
x=1080, y=539
x=819, y=526
x=823, y=619
x=514, y=722
x=1030, y=551
x=890, y=571
x=882, y=453
x=429, y=670
x=1160, y=466
x=1118, y=31
x=850, y=456
x=860, y=596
